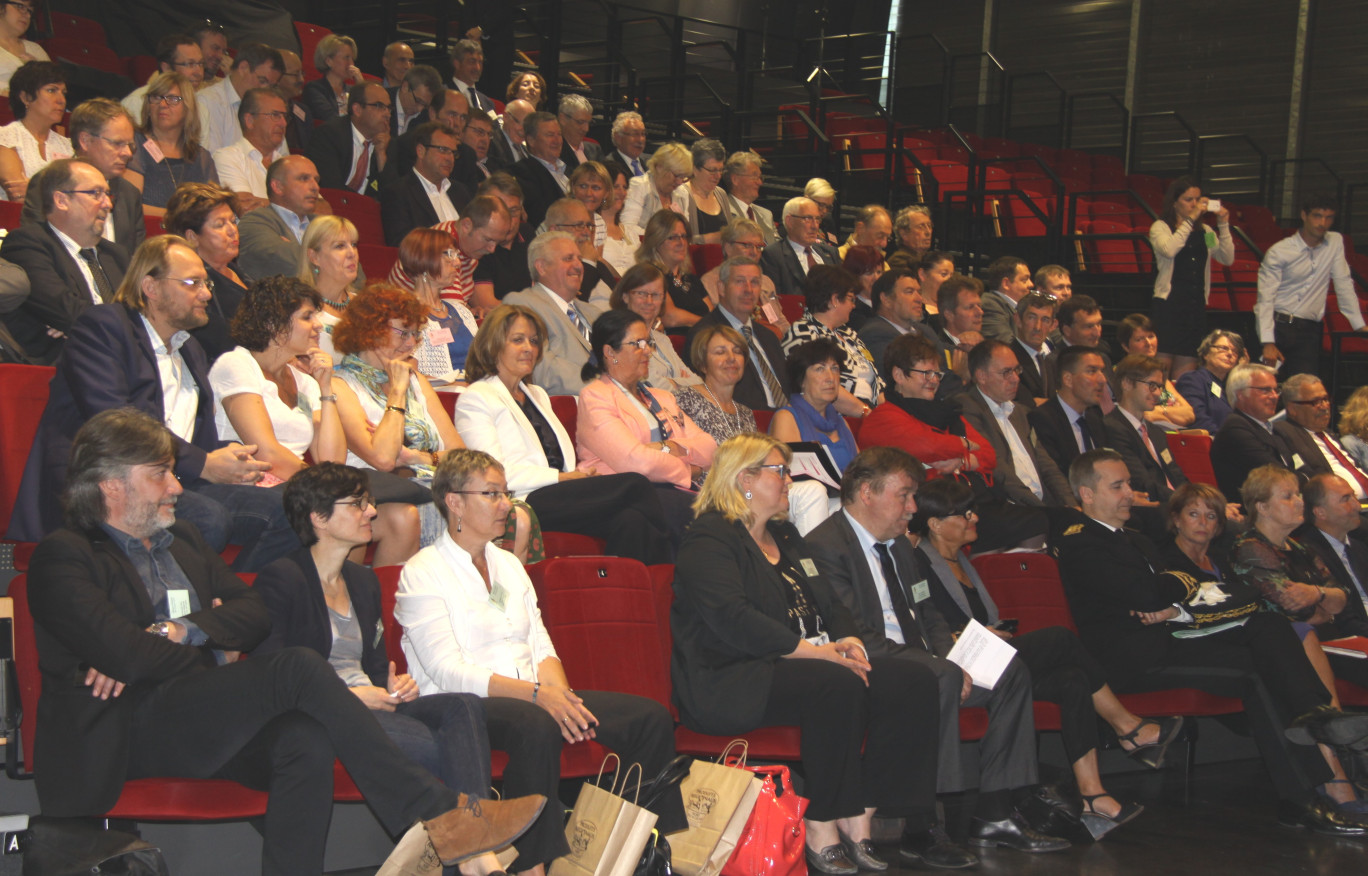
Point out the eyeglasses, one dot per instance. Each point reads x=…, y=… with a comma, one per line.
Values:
x=191, y=282
x=1222, y=348
x=639, y=343
x=1008, y=372
x=97, y=195
x=1266, y=390
x=967, y=514
x=1312, y=402
x=682, y=177
x=451, y=255
x=362, y=503
x=927, y=374
x=444, y=150
x=406, y=334
x=749, y=247
x=25, y=8
x=496, y=495
x=375, y=104
x=169, y=99
x=578, y=226
x=648, y=296
x=200, y=64
x=801, y=218
x=778, y=468
x=117, y=144
x=1157, y=387
x=275, y=115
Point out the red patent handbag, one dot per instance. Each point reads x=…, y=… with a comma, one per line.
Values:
x=772, y=841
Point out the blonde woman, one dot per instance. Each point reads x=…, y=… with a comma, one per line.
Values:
x=166, y=147
x=335, y=58
x=1353, y=426
x=658, y=189
x=329, y=264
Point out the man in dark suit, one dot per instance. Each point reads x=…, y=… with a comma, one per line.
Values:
x=542, y=173
x=412, y=97
x=508, y=147
x=111, y=360
x=629, y=141
x=139, y=627
x=1071, y=422
x=1247, y=439
x=863, y=553
x=1029, y=476
x=450, y=110
x=764, y=384
x=1332, y=515
x=416, y=200
x=1142, y=444
x=1121, y=600
x=786, y=262
x=467, y=65
x=898, y=311
x=575, y=114
x=479, y=134
x=1307, y=433
x=1032, y=322
x=350, y=151
x=299, y=124
x=69, y=263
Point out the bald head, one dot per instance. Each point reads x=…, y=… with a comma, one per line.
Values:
x=513, y=116
x=454, y=111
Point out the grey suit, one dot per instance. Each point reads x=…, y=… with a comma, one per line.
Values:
x=566, y=350
x=780, y=263
x=1052, y=481
x=267, y=246
x=997, y=317
x=1007, y=757
x=763, y=217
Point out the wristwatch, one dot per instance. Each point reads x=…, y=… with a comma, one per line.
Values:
x=160, y=628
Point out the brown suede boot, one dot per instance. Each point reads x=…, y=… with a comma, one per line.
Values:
x=477, y=826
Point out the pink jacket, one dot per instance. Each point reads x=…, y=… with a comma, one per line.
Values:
x=613, y=435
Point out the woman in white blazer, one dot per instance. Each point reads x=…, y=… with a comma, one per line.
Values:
x=660, y=188
x=511, y=419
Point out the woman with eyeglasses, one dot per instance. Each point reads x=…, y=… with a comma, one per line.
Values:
x=743, y=238
x=1062, y=671
x=275, y=390
x=665, y=244
x=166, y=148
x=1204, y=387
x=708, y=207
x=811, y=414
x=16, y=19
x=329, y=262
x=38, y=97
x=1136, y=336
x=427, y=265
x=668, y=168
x=1184, y=248
x=203, y=214
x=828, y=300
x=335, y=58
x=642, y=291
x=626, y=425
x=620, y=241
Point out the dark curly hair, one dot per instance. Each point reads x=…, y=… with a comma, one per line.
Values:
x=814, y=352
x=266, y=310
x=826, y=282
x=190, y=206
x=28, y=79
x=365, y=322
x=316, y=490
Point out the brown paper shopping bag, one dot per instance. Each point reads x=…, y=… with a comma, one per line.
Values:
x=718, y=800
x=606, y=833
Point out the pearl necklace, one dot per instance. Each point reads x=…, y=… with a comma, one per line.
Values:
x=740, y=421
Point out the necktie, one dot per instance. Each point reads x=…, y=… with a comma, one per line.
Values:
x=772, y=385
x=92, y=258
x=901, y=609
x=1087, y=438
x=811, y=261
x=358, y=177
x=750, y=213
x=1149, y=445
x=578, y=323
x=474, y=99
x=636, y=168
x=1344, y=461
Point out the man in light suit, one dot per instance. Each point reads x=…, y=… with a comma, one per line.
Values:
x=742, y=177
x=858, y=550
x=271, y=238
x=764, y=385
x=557, y=271
x=575, y=114
x=786, y=262
x=1029, y=476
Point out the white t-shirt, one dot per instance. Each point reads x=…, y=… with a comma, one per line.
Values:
x=9, y=62
x=237, y=372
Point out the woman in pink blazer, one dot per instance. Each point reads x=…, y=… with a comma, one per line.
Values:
x=625, y=425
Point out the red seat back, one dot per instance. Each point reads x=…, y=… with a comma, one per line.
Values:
x=310, y=35
x=792, y=306
x=74, y=27
x=376, y=259
x=566, y=408
x=705, y=256
x=363, y=211
x=1193, y=455
x=96, y=55
x=23, y=395
x=1026, y=587
x=394, y=634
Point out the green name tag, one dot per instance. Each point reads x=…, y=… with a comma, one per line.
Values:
x=921, y=591
x=498, y=596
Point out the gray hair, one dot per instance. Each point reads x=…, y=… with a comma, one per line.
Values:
x=105, y=448
x=536, y=250
x=1293, y=386
x=903, y=221
x=1241, y=376
x=739, y=228
x=818, y=188
x=574, y=103
x=707, y=148
x=737, y=162
x=724, y=270
x=623, y=118
x=793, y=205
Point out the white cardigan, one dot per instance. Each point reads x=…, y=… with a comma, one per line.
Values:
x=1167, y=244
x=490, y=420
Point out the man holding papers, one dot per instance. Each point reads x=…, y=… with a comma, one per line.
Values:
x=864, y=554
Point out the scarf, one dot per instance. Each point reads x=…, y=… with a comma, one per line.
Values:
x=419, y=433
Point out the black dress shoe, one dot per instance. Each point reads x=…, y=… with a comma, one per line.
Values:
x=861, y=854
x=831, y=860
x=1013, y=833
x=1319, y=817
x=934, y=848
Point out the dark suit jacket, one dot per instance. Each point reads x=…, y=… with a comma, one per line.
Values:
x=1353, y=620
x=1306, y=450
x=1196, y=387
x=843, y=562
x=318, y=97
x=108, y=363
x=298, y=128
x=1055, y=435
x=1242, y=445
x=540, y=189
x=90, y=609
x=750, y=391
x=299, y=615
x=592, y=151
x=1147, y=475
x=406, y=206
x=330, y=149
x=730, y=625
x=877, y=333
x=500, y=152
x=1034, y=383
x=780, y=264
x=482, y=102
x=1052, y=481
x=58, y=292
x=127, y=214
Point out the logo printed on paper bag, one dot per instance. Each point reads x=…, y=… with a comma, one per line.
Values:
x=585, y=831
x=699, y=804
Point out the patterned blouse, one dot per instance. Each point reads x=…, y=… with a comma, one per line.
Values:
x=698, y=404
x=859, y=376
x=1269, y=569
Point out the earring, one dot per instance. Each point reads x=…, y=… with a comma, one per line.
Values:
x=458, y=524
x=615, y=360
x=315, y=270
x=748, y=495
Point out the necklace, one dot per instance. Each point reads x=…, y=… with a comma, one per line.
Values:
x=336, y=305
x=725, y=416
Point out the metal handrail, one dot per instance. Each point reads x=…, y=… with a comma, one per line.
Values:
x=1007, y=96
x=1204, y=139
x=1071, y=113
x=1137, y=118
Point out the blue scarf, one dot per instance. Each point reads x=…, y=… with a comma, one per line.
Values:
x=815, y=426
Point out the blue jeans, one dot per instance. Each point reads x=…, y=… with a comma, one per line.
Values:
x=445, y=734
x=253, y=517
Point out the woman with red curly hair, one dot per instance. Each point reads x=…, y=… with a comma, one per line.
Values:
x=427, y=267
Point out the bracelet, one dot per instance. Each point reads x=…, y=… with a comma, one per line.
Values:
x=1322, y=595
x=396, y=409
x=536, y=686
x=331, y=398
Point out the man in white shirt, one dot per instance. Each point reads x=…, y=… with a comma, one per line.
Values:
x=213, y=44
x=397, y=61
x=629, y=139
x=557, y=272
x=242, y=165
x=256, y=66
x=1315, y=448
x=1294, y=278
x=467, y=65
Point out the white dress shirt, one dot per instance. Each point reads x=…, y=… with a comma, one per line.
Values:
x=802, y=252
x=75, y=249
x=1294, y=279
x=1324, y=442
x=892, y=629
x=241, y=168
x=1022, y=462
x=180, y=393
x=437, y=194
x=220, y=102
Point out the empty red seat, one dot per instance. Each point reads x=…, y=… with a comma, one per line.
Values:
x=95, y=55
x=74, y=27
x=1193, y=455
x=376, y=259
x=361, y=210
x=309, y=37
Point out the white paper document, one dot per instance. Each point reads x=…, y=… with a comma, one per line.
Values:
x=982, y=654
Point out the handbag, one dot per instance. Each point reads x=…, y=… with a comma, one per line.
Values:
x=606, y=833
x=718, y=799
x=773, y=840
x=655, y=859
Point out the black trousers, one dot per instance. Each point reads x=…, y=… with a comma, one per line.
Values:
x=622, y=509
x=1300, y=344
x=1264, y=665
x=895, y=718
x=275, y=723
x=1064, y=673
x=638, y=729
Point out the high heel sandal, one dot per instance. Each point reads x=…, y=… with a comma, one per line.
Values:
x=1356, y=808
x=1151, y=754
x=1100, y=825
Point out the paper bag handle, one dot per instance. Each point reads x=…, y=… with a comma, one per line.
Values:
x=726, y=752
x=621, y=791
x=610, y=756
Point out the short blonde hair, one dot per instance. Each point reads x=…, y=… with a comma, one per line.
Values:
x=722, y=490
x=1354, y=415
x=818, y=188
x=322, y=230
x=674, y=157
x=1259, y=486
x=328, y=46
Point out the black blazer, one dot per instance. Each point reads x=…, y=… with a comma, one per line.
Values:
x=299, y=615
x=1055, y=435
x=1242, y=445
x=1305, y=450
x=298, y=126
x=108, y=363
x=127, y=214
x=406, y=206
x=750, y=391
x=58, y=292
x=780, y=264
x=1353, y=620
x=843, y=562
x=330, y=149
x=540, y=189
x=320, y=100
x=501, y=153
x=1053, y=483
x=90, y=609
x=1147, y=476
x=729, y=622
x=1034, y=383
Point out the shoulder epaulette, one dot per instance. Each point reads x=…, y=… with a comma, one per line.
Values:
x=1074, y=530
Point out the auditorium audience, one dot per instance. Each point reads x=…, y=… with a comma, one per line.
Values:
x=1247, y=439
x=169, y=120
x=1306, y=429
x=506, y=269
x=243, y=164
x=1007, y=281
x=591, y=186
x=428, y=262
x=1332, y=517
x=554, y=261
x=642, y=291
x=1071, y=421
x=629, y=141
x=1135, y=336
x=542, y=172
x=1033, y=318
x=743, y=177
x=668, y=168
x=1353, y=425
x=1141, y=443
x=1204, y=387
x=202, y=213
x=273, y=236
x=913, y=228
x=899, y=309
x=933, y=268
x=821, y=193
x=351, y=150
x=254, y=65
x=176, y=53
x=788, y=261
x=426, y=195
x=743, y=238
x=665, y=244
x=529, y=86
x=213, y=44
x=620, y=240
x=37, y=97
x=575, y=114
x=707, y=206
x=764, y=382
x=328, y=263
x=867, y=264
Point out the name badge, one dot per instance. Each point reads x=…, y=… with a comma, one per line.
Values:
x=1296, y=460
x=921, y=591
x=379, y=634
x=809, y=567
x=1166, y=456
x=819, y=640
x=299, y=113
x=1216, y=390
x=498, y=596
x=154, y=150
x=439, y=337
x=177, y=603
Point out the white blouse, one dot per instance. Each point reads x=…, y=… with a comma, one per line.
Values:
x=17, y=137
x=9, y=62
x=236, y=372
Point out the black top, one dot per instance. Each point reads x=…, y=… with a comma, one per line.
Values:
x=506, y=268
x=708, y=224
x=546, y=435
x=687, y=293
x=803, y=616
x=950, y=610
x=1189, y=266
x=214, y=336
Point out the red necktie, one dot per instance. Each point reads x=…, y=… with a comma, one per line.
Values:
x=750, y=213
x=811, y=262
x=1344, y=461
x=1144, y=434
x=358, y=177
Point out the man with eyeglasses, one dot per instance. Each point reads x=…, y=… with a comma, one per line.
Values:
x=299, y=121
x=788, y=261
x=1247, y=438
x=1028, y=476
x=426, y=195
x=1307, y=432
x=1033, y=318
x=351, y=151
x=176, y=53
x=575, y=114
x=1142, y=444
x=256, y=66
x=242, y=165
x=447, y=108
x=742, y=177
x=554, y=260
x=572, y=217
x=478, y=135
x=508, y=146
x=542, y=173
x=69, y=263
x=412, y=97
